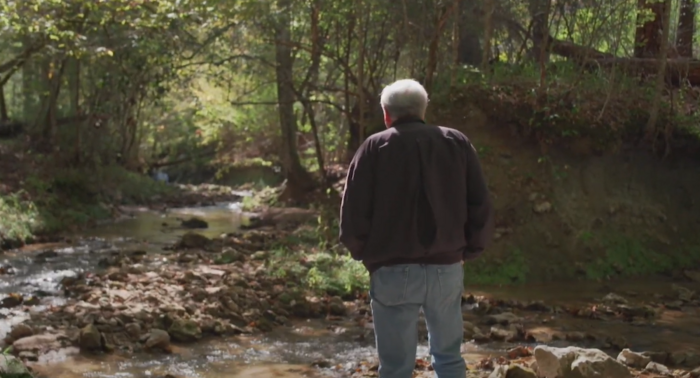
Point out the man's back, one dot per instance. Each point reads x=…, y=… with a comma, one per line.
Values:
x=422, y=178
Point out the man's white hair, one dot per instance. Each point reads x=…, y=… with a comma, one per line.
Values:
x=404, y=98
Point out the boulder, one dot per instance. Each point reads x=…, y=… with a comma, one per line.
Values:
x=695, y=373
x=90, y=338
x=194, y=223
x=505, y=318
x=157, y=339
x=574, y=362
x=193, y=240
x=20, y=331
x=184, y=330
x=512, y=371
x=656, y=368
x=633, y=359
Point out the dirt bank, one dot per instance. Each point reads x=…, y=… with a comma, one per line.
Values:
x=574, y=214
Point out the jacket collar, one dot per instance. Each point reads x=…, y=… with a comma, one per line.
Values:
x=405, y=120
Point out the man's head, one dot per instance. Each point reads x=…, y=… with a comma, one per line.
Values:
x=403, y=98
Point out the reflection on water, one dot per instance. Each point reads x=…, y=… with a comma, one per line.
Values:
x=287, y=352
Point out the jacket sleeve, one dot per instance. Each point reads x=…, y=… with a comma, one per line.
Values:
x=480, y=214
x=357, y=204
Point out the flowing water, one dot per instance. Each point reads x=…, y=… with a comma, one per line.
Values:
x=287, y=352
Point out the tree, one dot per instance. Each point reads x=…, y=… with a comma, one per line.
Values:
x=299, y=181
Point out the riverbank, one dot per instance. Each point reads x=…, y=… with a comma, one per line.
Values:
x=149, y=289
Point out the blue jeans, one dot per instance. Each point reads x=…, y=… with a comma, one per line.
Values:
x=398, y=293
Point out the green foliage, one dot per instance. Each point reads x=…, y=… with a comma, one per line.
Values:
x=512, y=269
x=626, y=256
x=18, y=217
x=607, y=109
x=320, y=272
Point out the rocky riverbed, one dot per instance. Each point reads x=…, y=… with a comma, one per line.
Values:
x=187, y=292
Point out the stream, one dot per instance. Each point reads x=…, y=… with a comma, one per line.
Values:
x=288, y=352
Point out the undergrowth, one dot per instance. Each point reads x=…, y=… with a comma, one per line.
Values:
x=606, y=108
x=64, y=199
x=624, y=256
x=512, y=269
x=305, y=258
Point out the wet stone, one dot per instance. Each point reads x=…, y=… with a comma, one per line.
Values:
x=157, y=339
x=21, y=331
x=90, y=338
x=184, y=330
x=194, y=223
x=657, y=368
x=633, y=359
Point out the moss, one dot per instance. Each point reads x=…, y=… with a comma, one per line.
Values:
x=627, y=256
x=513, y=269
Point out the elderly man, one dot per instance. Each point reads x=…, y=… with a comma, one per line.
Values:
x=415, y=207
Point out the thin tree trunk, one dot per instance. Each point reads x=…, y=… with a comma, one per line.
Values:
x=299, y=181
x=361, y=67
x=4, y=117
x=647, y=43
x=488, y=34
x=651, y=131
x=686, y=29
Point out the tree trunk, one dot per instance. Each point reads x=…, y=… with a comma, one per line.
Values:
x=539, y=11
x=4, y=117
x=686, y=29
x=299, y=181
x=660, y=76
x=488, y=34
x=469, y=48
x=647, y=38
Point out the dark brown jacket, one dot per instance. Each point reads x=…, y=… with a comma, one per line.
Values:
x=415, y=193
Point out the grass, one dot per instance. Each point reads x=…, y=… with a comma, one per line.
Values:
x=513, y=269
x=625, y=256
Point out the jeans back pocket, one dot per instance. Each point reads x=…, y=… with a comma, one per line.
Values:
x=388, y=285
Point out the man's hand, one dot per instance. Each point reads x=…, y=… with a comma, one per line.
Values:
x=462, y=262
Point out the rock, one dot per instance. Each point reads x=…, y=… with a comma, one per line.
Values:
x=38, y=343
x=574, y=362
x=282, y=217
x=337, y=307
x=684, y=294
x=695, y=373
x=499, y=372
x=613, y=298
x=512, y=371
x=505, y=318
x=685, y=359
x=157, y=339
x=90, y=338
x=542, y=207
x=21, y=331
x=633, y=359
x=12, y=300
x=28, y=356
x=184, y=330
x=616, y=342
x=10, y=366
x=659, y=357
x=504, y=334
x=193, y=240
x=657, y=368
x=193, y=223
x=693, y=275
x=259, y=255
x=133, y=329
